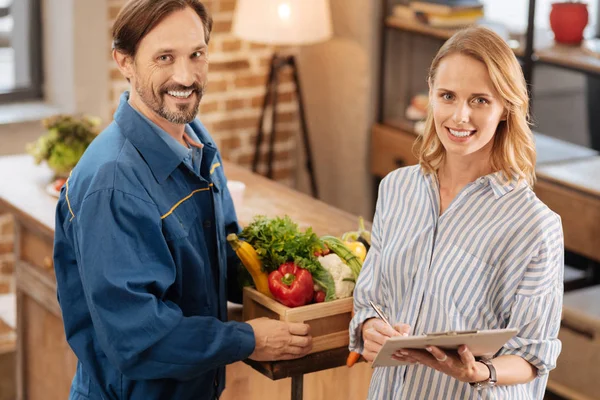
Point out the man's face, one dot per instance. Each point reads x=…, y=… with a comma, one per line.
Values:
x=171, y=65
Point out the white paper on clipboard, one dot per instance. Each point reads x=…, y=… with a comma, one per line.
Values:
x=484, y=343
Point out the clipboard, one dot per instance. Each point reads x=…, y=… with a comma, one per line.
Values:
x=484, y=343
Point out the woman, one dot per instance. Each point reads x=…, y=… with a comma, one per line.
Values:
x=461, y=242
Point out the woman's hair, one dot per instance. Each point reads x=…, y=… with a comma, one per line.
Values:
x=138, y=17
x=513, y=150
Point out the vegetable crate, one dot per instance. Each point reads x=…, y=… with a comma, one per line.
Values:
x=329, y=321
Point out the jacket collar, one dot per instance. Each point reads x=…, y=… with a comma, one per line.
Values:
x=161, y=159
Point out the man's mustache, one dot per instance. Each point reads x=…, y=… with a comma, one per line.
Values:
x=181, y=88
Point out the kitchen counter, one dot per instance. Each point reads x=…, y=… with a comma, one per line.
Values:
x=46, y=364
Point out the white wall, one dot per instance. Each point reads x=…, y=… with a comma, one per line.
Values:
x=339, y=84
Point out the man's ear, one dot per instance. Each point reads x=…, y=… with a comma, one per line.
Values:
x=124, y=63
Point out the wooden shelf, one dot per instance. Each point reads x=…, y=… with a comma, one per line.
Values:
x=570, y=57
x=401, y=124
x=416, y=26
x=419, y=27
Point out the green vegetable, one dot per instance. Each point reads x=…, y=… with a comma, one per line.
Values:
x=278, y=240
x=65, y=141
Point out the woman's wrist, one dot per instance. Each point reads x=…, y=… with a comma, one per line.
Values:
x=483, y=372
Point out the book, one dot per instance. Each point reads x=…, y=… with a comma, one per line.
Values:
x=454, y=21
x=429, y=7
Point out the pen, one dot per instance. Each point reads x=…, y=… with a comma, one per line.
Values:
x=380, y=313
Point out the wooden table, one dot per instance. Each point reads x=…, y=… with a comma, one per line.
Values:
x=296, y=369
x=46, y=364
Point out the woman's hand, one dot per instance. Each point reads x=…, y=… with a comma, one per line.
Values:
x=462, y=366
x=375, y=333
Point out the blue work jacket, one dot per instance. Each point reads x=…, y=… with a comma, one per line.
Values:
x=143, y=267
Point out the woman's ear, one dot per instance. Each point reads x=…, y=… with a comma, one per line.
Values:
x=504, y=116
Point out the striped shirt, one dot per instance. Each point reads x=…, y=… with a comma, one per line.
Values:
x=493, y=259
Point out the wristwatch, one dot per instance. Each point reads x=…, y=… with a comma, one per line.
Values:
x=491, y=381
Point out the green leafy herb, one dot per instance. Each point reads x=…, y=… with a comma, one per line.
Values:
x=278, y=240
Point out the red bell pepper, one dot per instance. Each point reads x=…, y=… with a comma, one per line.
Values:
x=291, y=285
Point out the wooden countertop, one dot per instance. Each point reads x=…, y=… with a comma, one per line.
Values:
x=582, y=175
x=22, y=191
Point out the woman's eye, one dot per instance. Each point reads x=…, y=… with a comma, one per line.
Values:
x=447, y=96
x=480, y=100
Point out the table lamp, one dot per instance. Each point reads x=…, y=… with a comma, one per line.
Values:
x=282, y=23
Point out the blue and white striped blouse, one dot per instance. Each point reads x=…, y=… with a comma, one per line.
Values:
x=493, y=259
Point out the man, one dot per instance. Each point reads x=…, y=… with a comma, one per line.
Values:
x=142, y=264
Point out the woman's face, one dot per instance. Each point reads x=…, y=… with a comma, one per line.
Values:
x=466, y=107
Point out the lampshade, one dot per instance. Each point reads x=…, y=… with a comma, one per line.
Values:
x=282, y=22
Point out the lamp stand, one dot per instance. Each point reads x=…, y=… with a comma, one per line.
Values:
x=277, y=64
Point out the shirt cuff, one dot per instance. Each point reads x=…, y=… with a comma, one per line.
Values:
x=246, y=340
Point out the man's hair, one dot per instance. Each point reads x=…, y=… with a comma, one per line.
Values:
x=138, y=17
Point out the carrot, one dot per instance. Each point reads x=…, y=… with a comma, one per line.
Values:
x=352, y=359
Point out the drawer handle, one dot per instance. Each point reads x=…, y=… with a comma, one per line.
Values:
x=48, y=263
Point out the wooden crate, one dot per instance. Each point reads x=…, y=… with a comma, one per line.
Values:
x=328, y=321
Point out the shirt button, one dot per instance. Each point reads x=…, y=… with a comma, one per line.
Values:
x=207, y=223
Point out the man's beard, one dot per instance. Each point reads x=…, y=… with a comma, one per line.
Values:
x=185, y=113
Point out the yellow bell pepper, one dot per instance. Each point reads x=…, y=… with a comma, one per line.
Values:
x=358, y=249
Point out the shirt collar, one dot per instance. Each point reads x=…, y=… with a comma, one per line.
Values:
x=500, y=184
x=497, y=181
x=181, y=151
x=159, y=153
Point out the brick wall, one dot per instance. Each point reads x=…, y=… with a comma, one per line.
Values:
x=236, y=87
x=6, y=254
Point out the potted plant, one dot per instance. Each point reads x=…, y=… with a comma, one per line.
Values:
x=64, y=143
x=568, y=19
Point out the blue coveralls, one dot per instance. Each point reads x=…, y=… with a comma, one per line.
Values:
x=143, y=267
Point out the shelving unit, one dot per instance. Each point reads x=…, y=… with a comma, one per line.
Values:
x=416, y=38
x=414, y=26
x=568, y=57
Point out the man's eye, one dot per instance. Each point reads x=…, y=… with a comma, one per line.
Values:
x=198, y=54
x=164, y=58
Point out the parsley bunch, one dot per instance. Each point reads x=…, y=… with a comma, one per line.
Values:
x=278, y=240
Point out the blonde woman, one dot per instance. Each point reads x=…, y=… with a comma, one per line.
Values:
x=461, y=242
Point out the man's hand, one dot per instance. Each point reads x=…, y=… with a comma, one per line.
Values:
x=460, y=365
x=278, y=340
x=375, y=333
